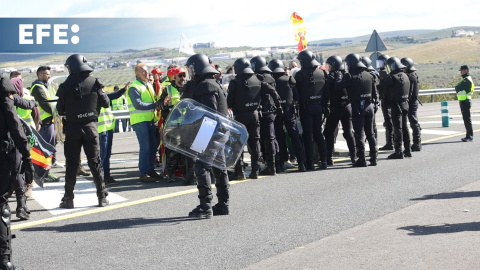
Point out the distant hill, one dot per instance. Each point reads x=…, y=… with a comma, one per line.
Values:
x=365, y=38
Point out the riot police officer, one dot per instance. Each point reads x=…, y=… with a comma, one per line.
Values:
x=244, y=95
x=340, y=109
x=384, y=103
x=362, y=92
x=311, y=85
x=376, y=79
x=267, y=116
x=286, y=89
x=79, y=100
x=208, y=92
x=397, y=85
x=413, y=102
x=12, y=137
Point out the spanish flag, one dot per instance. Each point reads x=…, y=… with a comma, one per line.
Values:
x=299, y=30
x=41, y=152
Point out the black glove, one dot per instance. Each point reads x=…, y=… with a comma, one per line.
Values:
x=27, y=168
x=279, y=111
x=338, y=75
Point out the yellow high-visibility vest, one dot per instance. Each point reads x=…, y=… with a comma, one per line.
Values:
x=106, y=120
x=26, y=114
x=463, y=94
x=146, y=95
x=41, y=87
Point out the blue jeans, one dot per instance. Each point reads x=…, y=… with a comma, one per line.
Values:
x=147, y=139
x=106, y=139
x=125, y=125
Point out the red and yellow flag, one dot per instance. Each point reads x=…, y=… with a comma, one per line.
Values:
x=300, y=30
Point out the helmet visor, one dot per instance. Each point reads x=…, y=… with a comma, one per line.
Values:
x=380, y=63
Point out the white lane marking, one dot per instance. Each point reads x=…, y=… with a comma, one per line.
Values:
x=85, y=193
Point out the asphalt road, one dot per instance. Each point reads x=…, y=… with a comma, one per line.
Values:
x=146, y=226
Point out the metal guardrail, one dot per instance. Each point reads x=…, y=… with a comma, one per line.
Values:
x=124, y=114
x=441, y=91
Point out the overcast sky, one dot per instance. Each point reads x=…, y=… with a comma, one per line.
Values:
x=263, y=23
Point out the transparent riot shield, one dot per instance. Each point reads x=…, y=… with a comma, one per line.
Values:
x=203, y=134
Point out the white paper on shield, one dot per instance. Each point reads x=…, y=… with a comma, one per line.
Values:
x=204, y=135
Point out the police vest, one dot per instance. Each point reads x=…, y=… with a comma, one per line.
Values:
x=147, y=96
x=26, y=115
x=82, y=105
x=284, y=90
x=117, y=104
x=42, y=88
x=401, y=87
x=313, y=82
x=361, y=86
x=338, y=96
x=466, y=94
x=247, y=97
x=106, y=120
x=174, y=94
x=266, y=101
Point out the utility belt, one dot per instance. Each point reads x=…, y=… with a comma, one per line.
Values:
x=363, y=103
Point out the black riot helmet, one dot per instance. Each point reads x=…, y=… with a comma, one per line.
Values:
x=307, y=59
x=242, y=66
x=200, y=64
x=77, y=63
x=259, y=64
x=393, y=64
x=276, y=66
x=353, y=61
x=334, y=63
x=381, y=60
x=367, y=62
x=408, y=62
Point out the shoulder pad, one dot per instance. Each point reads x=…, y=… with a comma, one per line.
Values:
x=98, y=84
x=260, y=77
x=291, y=80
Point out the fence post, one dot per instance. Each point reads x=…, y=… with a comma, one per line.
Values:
x=445, y=117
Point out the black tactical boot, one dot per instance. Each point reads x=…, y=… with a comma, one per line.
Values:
x=102, y=202
x=352, y=157
x=396, y=155
x=407, y=153
x=22, y=210
x=66, y=203
x=360, y=161
x=373, y=158
x=254, y=173
x=269, y=170
x=310, y=166
x=329, y=160
x=239, y=174
x=220, y=209
x=301, y=167
x=201, y=211
x=323, y=165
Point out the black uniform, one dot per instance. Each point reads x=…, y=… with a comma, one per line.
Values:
x=311, y=85
x=208, y=92
x=17, y=178
x=340, y=110
x=362, y=92
x=286, y=89
x=386, y=111
x=413, y=103
x=398, y=87
x=12, y=136
x=79, y=99
x=244, y=95
x=267, y=127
